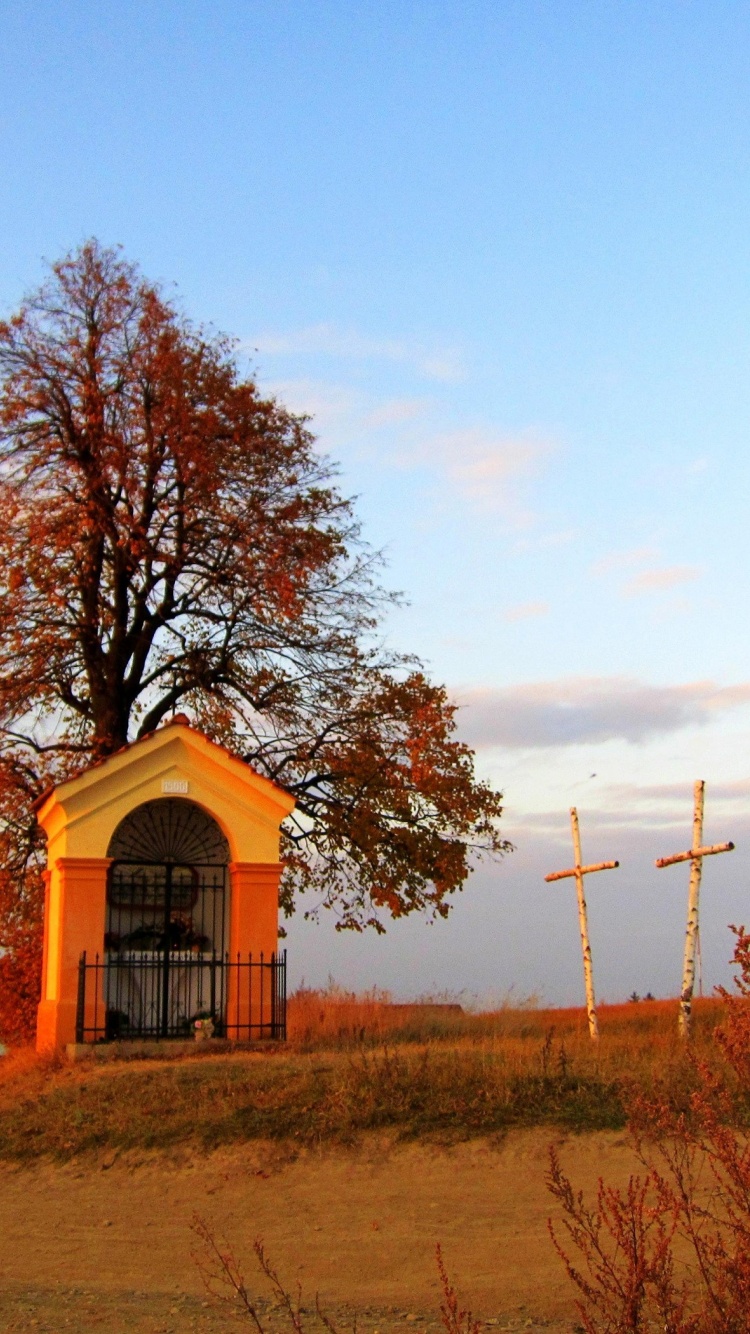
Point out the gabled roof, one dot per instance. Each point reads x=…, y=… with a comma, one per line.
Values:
x=175, y=758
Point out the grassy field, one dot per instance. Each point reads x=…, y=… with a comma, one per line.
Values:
x=351, y=1065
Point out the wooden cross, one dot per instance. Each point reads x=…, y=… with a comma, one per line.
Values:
x=695, y=857
x=579, y=871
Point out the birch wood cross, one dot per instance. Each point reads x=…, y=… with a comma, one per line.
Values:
x=578, y=872
x=695, y=857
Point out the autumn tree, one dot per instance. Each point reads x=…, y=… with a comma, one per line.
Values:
x=172, y=539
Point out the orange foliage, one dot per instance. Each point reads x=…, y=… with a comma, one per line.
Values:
x=21, y=905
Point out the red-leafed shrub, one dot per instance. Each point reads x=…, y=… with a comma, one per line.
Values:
x=21, y=906
x=671, y=1252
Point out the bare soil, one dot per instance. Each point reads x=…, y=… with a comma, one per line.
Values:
x=106, y=1243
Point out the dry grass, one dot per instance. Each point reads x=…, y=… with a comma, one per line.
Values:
x=642, y=1033
x=355, y=1064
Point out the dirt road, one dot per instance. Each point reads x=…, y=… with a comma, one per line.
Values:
x=107, y=1245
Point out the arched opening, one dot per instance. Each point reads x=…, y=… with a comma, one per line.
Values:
x=166, y=920
x=171, y=829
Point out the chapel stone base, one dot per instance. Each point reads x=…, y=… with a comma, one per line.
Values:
x=55, y=1025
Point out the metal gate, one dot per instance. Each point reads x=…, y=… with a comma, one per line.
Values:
x=165, y=923
x=244, y=998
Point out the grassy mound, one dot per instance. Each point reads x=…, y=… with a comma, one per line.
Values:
x=445, y=1075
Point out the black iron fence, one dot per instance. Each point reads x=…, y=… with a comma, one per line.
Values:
x=176, y=994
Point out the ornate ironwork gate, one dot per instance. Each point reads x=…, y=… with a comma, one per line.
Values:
x=165, y=962
x=164, y=923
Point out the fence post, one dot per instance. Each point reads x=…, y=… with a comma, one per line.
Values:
x=278, y=996
x=213, y=988
x=274, y=996
x=81, y=999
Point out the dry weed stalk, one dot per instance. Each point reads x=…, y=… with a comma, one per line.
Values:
x=695, y=1197
x=224, y=1281
x=455, y=1320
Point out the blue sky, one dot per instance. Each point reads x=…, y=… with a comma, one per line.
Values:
x=501, y=252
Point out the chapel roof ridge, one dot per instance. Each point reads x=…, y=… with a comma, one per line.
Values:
x=179, y=719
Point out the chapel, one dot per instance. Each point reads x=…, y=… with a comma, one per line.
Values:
x=162, y=896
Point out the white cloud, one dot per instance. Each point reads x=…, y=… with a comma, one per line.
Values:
x=485, y=468
x=623, y=560
x=653, y=578
x=526, y=611
x=396, y=411
x=444, y=364
x=346, y=418
x=666, y=794
x=656, y=580
x=343, y=409
x=482, y=466
x=543, y=541
x=329, y=405
x=577, y=710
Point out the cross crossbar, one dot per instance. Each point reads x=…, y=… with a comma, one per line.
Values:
x=581, y=870
x=695, y=856
x=695, y=852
